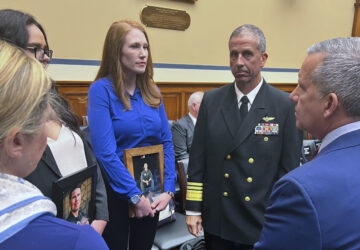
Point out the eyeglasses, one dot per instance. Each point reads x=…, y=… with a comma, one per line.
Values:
x=40, y=53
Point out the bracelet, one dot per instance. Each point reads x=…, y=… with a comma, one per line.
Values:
x=170, y=193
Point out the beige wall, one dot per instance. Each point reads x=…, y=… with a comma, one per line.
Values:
x=76, y=28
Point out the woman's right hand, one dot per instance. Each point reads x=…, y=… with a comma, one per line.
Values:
x=143, y=208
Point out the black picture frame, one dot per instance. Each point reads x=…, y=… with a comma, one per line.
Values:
x=83, y=182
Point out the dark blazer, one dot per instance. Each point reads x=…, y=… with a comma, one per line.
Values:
x=236, y=168
x=182, y=135
x=47, y=172
x=317, y=205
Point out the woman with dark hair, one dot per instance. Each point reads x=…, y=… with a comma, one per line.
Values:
x=23, y=30
x=125, y=111
x=67, y=151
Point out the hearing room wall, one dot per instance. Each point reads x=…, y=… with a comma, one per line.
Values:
x=76, y=30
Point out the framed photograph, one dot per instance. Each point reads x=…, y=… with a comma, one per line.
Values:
x=146, y=165
x=74, y=196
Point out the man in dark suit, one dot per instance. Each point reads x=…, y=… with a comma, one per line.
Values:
x=239, y=153
x=183, y=129
x=317, y=205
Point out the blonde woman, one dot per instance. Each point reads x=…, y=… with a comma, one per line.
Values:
x=67, y=151
x=27, y=218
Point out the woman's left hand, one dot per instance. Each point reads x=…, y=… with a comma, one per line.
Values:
x=161, y=202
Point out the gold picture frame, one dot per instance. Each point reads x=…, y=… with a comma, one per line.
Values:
x=135, y=160
x=153, y=156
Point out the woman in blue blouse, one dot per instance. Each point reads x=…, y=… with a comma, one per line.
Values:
x=125, y=111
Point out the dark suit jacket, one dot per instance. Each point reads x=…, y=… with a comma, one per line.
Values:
x=47, y=172
x=182, y=134
x=236, y=167
x=317, y=205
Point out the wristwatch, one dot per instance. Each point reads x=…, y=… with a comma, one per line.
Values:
x=170, y=193
x=135, y=199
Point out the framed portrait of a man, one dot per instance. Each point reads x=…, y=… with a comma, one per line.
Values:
x=146, y=165
x=74, y=196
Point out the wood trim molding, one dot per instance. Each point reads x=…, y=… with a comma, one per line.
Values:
x=356, y=21
x=73, y=83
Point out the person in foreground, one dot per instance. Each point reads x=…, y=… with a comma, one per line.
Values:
x=183, y=129
x=317, y=205
x=125, y=111
x=27, y=218
x=245, y=139
x=67, y=151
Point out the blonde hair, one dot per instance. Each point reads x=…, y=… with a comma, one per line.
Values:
x=111, y=65
x=24, y=87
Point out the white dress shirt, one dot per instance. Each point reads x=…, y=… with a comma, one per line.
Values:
x=330, y=137
x=68, y=151
x=251, y=95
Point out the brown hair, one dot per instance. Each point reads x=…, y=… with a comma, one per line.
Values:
x=111, y=65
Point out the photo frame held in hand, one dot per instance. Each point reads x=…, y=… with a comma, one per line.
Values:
x=74, y=196
x=146, y=165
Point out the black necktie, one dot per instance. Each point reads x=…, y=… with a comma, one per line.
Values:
x=244, y=108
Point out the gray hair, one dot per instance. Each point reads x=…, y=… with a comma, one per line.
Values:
x=340, y=71
x=195, y=97
x=255, y=31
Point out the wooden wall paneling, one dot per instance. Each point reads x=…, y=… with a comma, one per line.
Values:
x=185, y=103
x=175, y=95
x=287, y=87
x=78, y=103
x=172, y=103
x=185, y=89
x=76, y=93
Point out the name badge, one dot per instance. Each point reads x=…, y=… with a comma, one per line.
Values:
x=267, y=129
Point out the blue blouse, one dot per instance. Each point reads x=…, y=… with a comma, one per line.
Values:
x=113, y=130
